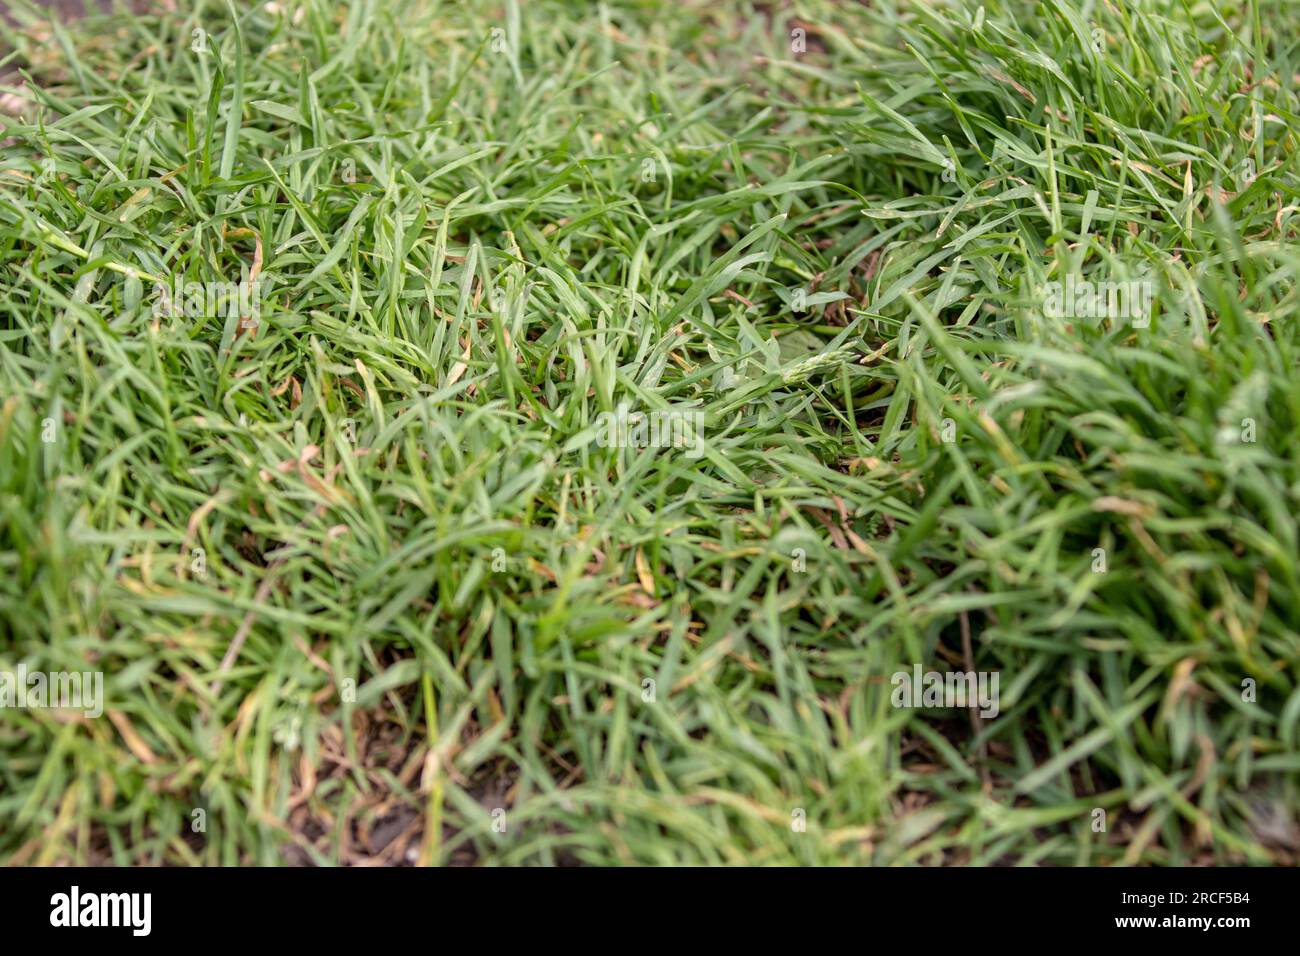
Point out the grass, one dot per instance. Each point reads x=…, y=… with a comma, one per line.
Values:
x=366, y=585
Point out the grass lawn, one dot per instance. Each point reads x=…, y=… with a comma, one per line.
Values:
x=540, y=432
